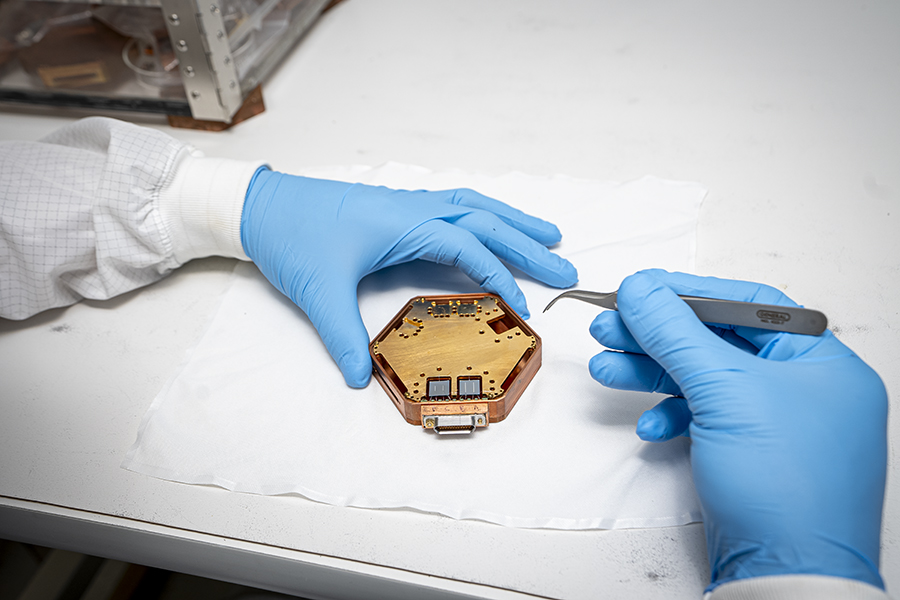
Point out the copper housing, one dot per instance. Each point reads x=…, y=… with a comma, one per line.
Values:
x=455, y=362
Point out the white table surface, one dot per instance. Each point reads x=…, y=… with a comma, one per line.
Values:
x=788, y=112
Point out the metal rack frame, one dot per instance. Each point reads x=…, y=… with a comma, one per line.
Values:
x=196, y=28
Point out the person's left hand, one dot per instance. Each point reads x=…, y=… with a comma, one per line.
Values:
x=315, y=240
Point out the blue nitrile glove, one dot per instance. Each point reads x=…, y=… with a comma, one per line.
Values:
x=315, y=240
x=788, y=432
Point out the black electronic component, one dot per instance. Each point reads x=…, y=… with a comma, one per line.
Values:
x=439, y=388
x=467, y=310
x=440, y=310
x=469, y=387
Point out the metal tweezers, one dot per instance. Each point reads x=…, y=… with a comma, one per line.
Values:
x=790, y=319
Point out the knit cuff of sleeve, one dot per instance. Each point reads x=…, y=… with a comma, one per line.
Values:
x=796, y=587
x=201, y=204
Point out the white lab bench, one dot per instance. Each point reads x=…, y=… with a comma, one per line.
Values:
x=787, y=112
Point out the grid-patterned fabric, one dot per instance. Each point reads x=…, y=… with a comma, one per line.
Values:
x=79, y=214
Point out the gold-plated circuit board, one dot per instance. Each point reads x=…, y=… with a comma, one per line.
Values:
x=457, y=362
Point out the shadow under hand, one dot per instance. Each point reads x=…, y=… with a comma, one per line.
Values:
x=418, y=274
x=618, y=408
x=622, y=409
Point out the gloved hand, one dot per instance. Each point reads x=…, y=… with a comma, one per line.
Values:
x=315, y=240
x=788, y=432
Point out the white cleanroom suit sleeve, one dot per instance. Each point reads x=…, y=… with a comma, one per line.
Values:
x=101, y=207
x=796, y=587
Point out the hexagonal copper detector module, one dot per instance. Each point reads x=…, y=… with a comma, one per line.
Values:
x=455, y=363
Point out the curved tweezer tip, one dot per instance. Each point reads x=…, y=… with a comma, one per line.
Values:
x=605, y=300
x=552, y=302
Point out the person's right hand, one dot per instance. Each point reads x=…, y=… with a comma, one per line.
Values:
x=788, y=432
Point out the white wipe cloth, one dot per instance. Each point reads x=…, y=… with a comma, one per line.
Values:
x=259, y=406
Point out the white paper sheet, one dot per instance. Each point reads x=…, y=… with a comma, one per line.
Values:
x=258, y=405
